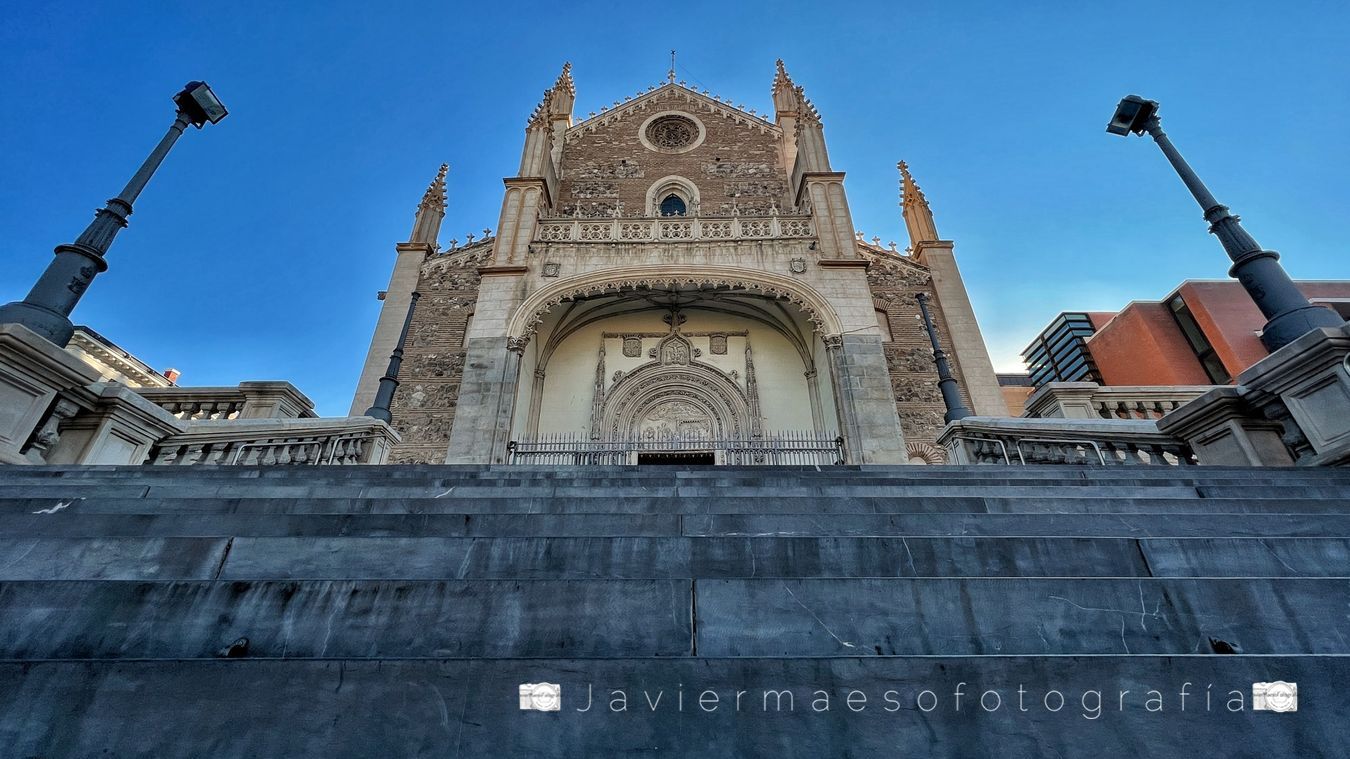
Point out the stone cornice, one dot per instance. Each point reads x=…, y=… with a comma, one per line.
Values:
x=807, y=177
x=539, y=182
x=424, y=248
x=488, y=271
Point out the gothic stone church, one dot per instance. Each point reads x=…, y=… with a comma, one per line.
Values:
x=674, y=268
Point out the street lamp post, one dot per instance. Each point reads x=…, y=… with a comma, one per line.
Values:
x=389, y=382
x=46, y=309
x=951, y=392
x=1288, y=313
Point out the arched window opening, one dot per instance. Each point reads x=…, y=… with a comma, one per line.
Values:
x=884, y=321
x=673, y=205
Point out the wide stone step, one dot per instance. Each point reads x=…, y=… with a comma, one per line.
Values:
x=664, y=618
x=345, y=619
x=901, y=706
x=423, y=558
x=84, y=524
x=537, y=505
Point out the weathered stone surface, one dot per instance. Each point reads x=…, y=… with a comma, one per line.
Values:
x=950, y=617
x=470, y=708
x=395, y=610
x=343, y=619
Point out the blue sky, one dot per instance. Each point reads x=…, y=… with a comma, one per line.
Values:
x=257, y=250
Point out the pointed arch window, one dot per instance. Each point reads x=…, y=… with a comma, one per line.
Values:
x=673, y=205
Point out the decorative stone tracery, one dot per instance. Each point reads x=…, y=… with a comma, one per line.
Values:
x=525, y=322
x=674, y=395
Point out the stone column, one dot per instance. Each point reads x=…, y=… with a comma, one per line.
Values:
x=1306, y=386
x=274, y=400
x=490, y=382
x=1063, y=400
x=487, y=399
x=33, y=374
x=863, y=396
x=830, y=212
x=1223, y=430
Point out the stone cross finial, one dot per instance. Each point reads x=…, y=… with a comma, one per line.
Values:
x=670, y=75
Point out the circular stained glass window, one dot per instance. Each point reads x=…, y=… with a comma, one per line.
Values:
x=672, y=132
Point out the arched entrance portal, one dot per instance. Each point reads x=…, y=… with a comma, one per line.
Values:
x=674, y=397
x=678, y=368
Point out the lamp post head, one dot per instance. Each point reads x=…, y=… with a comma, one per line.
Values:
x=1132, y=115
x=200, y=104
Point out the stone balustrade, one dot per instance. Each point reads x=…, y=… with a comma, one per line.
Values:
x=250, y=400
x=675, y=228
x=1022, y=441
x=1088, y=400
x=277, y=442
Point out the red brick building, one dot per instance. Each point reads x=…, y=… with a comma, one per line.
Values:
x=1205, y=332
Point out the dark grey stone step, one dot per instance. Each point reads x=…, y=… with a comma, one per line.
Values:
x=587, y=558
x=1141, y=525
x=67, y=507
x=470, y=708
x=1021, y=616
x=88, y=524
x=100, y=558
x=344, y=619
x=240, y=523
x=608, y=618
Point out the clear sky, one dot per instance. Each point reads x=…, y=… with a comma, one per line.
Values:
x=257, y=250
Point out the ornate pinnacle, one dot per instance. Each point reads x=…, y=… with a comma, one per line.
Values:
x=910, y=193
x=434, y=197
x=781, y=79
x=565, y=82
x=914, y=206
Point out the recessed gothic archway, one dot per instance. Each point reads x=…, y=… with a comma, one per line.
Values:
x=815, y=308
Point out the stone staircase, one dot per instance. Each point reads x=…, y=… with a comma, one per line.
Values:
x=394, y=611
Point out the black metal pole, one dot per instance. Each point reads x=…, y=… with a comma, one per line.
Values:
x=46, y=309
x=389, y=382
x=1289, y=314
x=951, y=392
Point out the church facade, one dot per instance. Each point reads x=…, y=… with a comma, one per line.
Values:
x=672, y=269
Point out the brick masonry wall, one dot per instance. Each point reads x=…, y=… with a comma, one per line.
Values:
x=611, y=165
x=433, y=364
x=894, y=282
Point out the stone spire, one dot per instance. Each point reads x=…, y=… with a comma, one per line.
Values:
x=564, y=94
x=913, y=204
x=430, y=212
x=784, y=91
